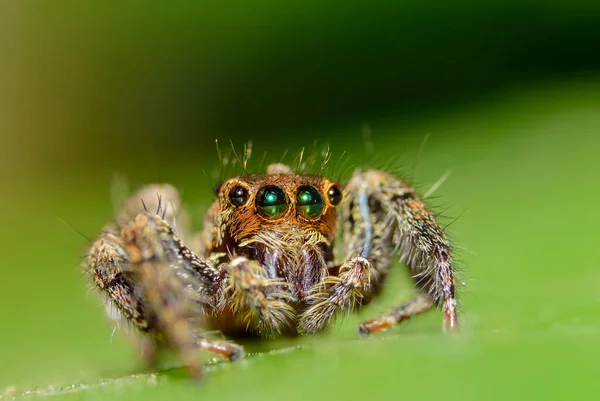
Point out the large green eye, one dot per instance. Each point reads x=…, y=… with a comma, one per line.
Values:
x=271, y=202
x=309, y=202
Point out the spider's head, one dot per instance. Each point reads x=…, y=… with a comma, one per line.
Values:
x=280, y=218
x=279, y=200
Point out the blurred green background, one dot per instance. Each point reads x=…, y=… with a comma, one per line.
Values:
x=507, y=93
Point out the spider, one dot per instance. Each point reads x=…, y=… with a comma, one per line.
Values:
x=264, y=263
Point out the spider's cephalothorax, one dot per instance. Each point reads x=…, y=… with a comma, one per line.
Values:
x=264, y=263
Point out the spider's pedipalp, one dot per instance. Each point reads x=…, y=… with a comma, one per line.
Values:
x=343, y=292
x=250, y=293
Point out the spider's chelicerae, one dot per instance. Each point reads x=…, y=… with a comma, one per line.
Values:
x=264, y=263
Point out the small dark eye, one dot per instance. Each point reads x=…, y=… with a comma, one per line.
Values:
x=238, y=195
x=309, y=201
x=271, y=202
x=335, y=195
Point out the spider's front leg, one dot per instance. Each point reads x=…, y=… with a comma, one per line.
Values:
x=158, y=284
x=383, y=215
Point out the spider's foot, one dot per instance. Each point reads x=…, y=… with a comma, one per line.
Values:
x=418, y=305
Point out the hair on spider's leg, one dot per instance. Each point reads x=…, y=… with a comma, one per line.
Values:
x=81, y=234
x=437, y=184
x=418, y=158
x=158, y=204
x=455, y=219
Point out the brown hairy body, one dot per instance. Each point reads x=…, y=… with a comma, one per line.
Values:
x=264, y=263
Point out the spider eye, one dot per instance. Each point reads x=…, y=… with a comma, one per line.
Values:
x=335, y=195
x=271, y=202
x=309, y=202
x=238, y=195
x=217, y=187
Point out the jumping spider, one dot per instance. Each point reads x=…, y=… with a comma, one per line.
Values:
x=264, y=263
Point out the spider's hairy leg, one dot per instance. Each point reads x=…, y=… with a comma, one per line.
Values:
x=262, y=301
x=351, y=283
x=158, y=284
x=162, y=295
x=108, y=266
x=418, y=305
x=344, y=292
x=384, y=215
